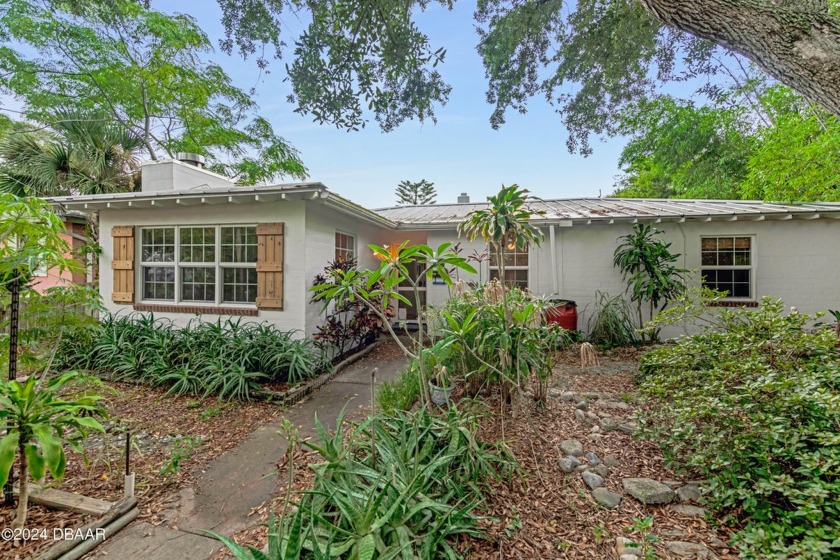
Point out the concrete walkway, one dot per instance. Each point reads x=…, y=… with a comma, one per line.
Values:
x=244, y=477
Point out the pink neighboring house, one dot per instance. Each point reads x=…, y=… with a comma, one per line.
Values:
x=75, y=236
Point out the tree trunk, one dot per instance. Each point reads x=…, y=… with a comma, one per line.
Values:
x=23, y=497
x=795, y=41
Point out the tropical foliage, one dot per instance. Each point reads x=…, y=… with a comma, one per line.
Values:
x=81, y=154
x=228, y=358
x=753, y=404
x=350, y=325
x=611, y=322
x=646, y=264
x=148, y=72
x=378, y=289
x=397, y=485
x=38, y=419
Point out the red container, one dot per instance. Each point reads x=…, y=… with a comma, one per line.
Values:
x=564, y=314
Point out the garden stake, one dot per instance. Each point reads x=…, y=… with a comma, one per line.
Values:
x=129, y=476
x=14, y=320
x=373, y=373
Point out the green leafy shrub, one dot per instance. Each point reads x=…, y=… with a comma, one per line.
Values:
x=399, y=393
x=754, y=405
x=401, y=485
x=228, y=358
x=611, y=322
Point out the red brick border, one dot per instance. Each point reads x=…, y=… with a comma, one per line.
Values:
x=197, y=309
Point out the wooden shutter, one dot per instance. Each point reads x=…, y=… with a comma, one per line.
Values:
x=270, y=266
x=123, y=264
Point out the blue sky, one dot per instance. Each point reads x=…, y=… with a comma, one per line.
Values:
x=461, y=153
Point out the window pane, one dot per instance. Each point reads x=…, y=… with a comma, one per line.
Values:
x=239, y=244
x=726, y=243
x=198, y=245
x=345, y=246
x=726, y=259
x=709, y=244
x=709, y=259
x=198, y=284
x=157, y=245
x=159, y=282
x=240, y=285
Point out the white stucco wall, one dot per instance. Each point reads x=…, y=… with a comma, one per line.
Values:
x=319, y=250
x=797, y=261
x=295, y=274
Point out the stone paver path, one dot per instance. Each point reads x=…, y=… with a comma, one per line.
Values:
x=242, y=478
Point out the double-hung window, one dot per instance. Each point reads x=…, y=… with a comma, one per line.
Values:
x=345, y=246
x=727, y=264
x=199, y=264
x=516, y=265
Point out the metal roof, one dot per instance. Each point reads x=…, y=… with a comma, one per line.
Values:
x=610, y=209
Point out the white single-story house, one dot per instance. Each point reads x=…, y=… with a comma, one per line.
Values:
x=191, y=242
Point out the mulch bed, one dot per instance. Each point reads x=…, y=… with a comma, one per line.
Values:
x=558, y=516
x=545, y=513
x=156, y=422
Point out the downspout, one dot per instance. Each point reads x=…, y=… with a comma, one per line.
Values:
x=685, y=248
x=551, y=240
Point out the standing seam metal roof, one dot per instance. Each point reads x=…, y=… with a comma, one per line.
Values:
x=606, y=208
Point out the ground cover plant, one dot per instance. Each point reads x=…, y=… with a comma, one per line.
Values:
x=610, y=323
x=753, y=404
x=230, y=358
x=398, y=485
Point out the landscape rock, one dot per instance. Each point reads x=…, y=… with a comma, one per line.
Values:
x=591, y=479
x=583, y=405
x=689, y=493
x=591, y=396
x=688, y=511
x=648, y=491
x=591, y=416
x=571, y=447
x=606, y=498
x=568, y=464
x=615, y=405
x=609, y=424
x=595, y=429
x=611, y=461
x=628, y=557
x=672, y=484
x=625, y=546
x=596, y=437
x=628, y=428
x=685, y=549
x=601, y=470
x=580, y=416
x=592, y=459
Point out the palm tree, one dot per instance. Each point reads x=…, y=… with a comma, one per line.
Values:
x=81, y=154
x=506, y=222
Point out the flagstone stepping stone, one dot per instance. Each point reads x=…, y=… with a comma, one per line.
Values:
x=568, y=464
x=685, y=549
x=571, y=447
x=591, y=479
x=606, y=498
x=648, y=491
x=689, y=493
x=615, y=405
x=688, y=510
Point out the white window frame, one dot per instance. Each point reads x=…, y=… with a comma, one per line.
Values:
x=177, y=264
x=527, y=268
x=752, y=267
x=337, y=248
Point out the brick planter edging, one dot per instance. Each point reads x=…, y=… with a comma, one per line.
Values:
x=293, y=396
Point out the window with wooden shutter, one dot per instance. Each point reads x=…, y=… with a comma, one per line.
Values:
x=123, y=264
x=270, y=266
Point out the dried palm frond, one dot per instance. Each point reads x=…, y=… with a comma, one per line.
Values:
x=588, y=358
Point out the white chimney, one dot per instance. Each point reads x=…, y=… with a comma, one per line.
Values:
x=196, y=160
x=464, y=198
x=175, y=175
